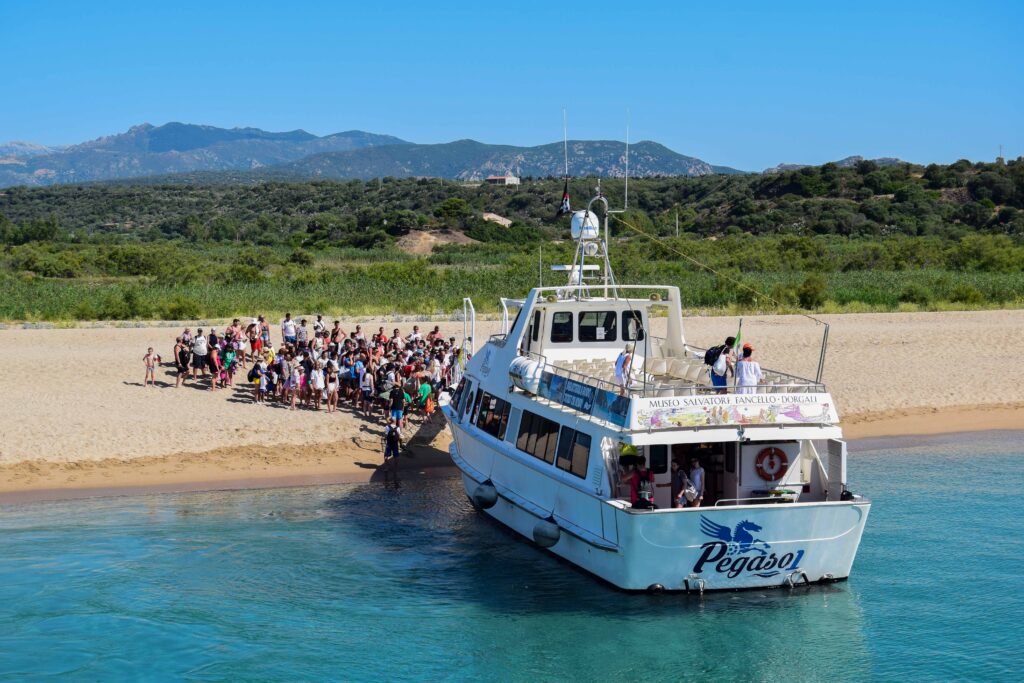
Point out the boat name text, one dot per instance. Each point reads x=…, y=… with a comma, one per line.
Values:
x=704, y=401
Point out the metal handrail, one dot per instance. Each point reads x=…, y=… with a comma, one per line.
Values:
x=571, y=374
x=644, y=389
x=794, y=380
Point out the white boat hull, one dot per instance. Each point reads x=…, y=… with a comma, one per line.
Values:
x=716, y=548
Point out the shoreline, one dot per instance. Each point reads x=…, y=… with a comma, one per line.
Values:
x=324, y=464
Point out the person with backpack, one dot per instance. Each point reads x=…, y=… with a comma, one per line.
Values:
x=392, y=440
x=641, y=486
x=397, y=404
x=721, y=362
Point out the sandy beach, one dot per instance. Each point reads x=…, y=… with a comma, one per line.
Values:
x=77, y=420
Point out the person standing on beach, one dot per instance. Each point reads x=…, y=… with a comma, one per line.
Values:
x=151, y=360
x=397, y=399
x=392, y=440
x=264, y=328
x=331, y=379
x=199, y=351
x=181, y=357
x=288, y=329
x=263, y=380
x=367, y=386
x=214, y=361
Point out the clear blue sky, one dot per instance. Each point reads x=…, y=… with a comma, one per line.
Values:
x=746, y=84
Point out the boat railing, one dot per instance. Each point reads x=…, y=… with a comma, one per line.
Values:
x=612, y=291
x=646, y=385
x=498, y=339
x=568, y=373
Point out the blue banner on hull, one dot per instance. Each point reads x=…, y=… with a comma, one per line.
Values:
x=602, y=404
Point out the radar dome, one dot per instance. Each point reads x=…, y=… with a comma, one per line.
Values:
x=585, y=225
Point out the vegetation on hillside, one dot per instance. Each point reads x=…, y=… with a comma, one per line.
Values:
x=860, y=238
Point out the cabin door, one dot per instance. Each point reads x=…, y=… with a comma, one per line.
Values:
x=534, y=332
x=657, y=460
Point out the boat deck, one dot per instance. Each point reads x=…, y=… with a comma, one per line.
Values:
x=679, y=376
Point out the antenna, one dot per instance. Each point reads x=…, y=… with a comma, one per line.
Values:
x=565, y=141
x=626, y=203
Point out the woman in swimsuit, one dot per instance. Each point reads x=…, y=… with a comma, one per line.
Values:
x=215, y=365
x=181, y=358
x=332, y=388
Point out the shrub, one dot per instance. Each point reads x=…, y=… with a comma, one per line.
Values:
x=811, y=294
x=917, y=294
x=301, y=257
x=181, y=308
x=967, y=294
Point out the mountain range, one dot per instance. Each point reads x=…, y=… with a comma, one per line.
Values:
x=181, y=152
x=847, y=162
x=179, y=148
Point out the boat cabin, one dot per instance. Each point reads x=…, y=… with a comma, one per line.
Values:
x=567, y=405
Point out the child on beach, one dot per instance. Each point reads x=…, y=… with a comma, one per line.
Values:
x=260, y=377
x=151, y=360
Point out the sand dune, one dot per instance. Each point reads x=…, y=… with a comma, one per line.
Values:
x=76, y=415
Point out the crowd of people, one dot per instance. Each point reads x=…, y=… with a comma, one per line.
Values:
x=320, y=367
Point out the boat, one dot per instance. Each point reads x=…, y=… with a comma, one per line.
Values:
x=545, y=434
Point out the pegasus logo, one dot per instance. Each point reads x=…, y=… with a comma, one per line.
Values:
x=740, y=539
x=737, y=550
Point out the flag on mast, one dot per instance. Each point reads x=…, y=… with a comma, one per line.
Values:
x=738, y=345
x=565, y=208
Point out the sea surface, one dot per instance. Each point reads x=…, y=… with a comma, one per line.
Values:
x=375, y=583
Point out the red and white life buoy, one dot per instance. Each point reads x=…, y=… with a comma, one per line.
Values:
x=771, y=464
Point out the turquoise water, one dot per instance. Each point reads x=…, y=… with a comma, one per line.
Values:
x=372, y=583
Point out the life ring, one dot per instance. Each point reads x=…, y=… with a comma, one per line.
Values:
x=771, y=464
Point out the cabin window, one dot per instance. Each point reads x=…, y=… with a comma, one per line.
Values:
x=561, y=327
x=473, y=405
x=537, y=436
x=536, y=325
x=632, y=326
x=574, y=452
x=514, y=418
x=658, y=456
x=493, y=415
x=597, y=326
x=471, y=400
x=458, y=396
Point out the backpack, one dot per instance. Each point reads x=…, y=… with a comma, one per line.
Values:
x=643, y=488
x=712, y=354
